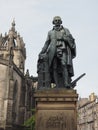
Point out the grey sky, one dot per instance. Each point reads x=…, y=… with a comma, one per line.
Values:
x=34, y=20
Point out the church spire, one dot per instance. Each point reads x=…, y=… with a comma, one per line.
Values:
x=13, y=25
x=13, y=47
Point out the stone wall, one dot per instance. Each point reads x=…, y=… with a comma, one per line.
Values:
x=3, y=92
x=88, y=115
x=11, y=86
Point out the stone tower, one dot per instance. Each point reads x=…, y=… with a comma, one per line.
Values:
x=12, y=47
x=15, y=86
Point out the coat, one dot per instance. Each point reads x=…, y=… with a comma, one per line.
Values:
x=50, y=48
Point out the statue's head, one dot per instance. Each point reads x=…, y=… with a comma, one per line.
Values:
x=57, y=20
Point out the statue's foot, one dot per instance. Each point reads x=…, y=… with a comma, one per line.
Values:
x=67, y=86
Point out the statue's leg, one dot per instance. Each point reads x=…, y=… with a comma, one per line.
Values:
x=55, y=73
x=65, y=71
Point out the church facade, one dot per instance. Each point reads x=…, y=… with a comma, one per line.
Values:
x=15, y=85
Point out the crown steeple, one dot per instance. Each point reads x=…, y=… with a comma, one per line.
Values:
x=12, y=41
x=13, y=25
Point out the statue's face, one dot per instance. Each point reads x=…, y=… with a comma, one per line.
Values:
x=57, y=21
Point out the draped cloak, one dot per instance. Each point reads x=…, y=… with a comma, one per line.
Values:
x=50, y=46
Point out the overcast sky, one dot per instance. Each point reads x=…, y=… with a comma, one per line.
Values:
x=33, y=21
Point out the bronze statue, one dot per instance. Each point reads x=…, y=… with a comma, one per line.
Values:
x=55, y=60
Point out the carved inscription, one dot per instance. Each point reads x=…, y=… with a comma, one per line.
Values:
x=56, y=121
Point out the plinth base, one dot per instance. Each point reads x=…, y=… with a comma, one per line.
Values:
x=56, y=109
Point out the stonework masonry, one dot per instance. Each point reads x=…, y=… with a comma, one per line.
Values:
x=15, y=86
x=56, y=109
x=88, y=113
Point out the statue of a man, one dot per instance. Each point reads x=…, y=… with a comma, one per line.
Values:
x=60, y=49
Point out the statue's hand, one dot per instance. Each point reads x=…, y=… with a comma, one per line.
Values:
x=42, y=56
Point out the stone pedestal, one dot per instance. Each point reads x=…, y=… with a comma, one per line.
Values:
x=56, y=109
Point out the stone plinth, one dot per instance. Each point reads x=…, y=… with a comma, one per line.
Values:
x=56, y=109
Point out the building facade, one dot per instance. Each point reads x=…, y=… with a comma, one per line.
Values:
x=88, y=113
x=15, y=86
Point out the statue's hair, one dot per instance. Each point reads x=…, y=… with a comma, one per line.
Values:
x=58, y=18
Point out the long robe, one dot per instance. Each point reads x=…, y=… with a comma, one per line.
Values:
x=50, y=48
